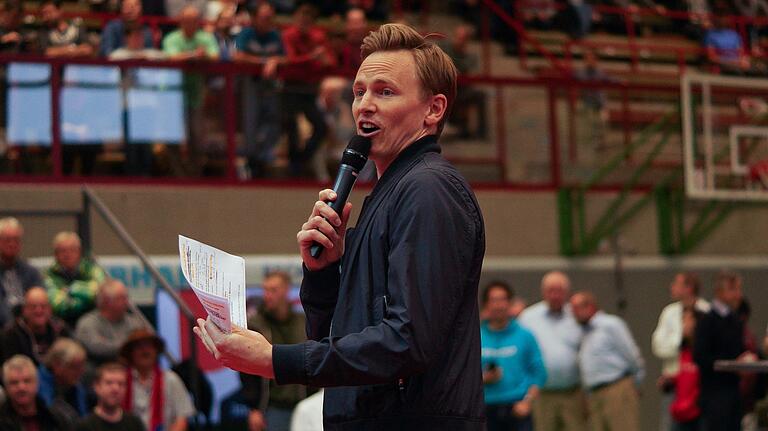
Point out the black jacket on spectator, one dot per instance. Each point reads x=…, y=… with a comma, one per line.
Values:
x=47, y=420
x=28, y=277
x=394, y=330
x=719, y=337
x=19, y=339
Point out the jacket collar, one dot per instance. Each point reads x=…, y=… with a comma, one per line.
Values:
x=412, y=152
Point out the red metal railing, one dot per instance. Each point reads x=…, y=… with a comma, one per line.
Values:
x=554, y=94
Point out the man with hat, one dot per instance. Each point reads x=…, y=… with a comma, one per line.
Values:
x=157, y=396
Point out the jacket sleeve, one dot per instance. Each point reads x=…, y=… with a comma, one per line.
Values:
x=433, y=233
x=666, y=338
x=319, y=293
x=536, y=367
x=626, y=346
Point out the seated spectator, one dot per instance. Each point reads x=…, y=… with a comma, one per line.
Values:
x=725, y=49
x=157, y=396
x=135, y=47
x=35, y=331
x=72, y=281
x=23, y=410
x=113, y=35
x=61, y=387
x=468, y=97
x=60, y=37
x=108, y=414
x=260, y=44
x=513, y=370
x=191, y=43
x=16, y=275
x=308, y=56
x=102, y=331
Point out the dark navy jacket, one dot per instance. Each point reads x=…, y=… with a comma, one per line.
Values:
x=394, y=329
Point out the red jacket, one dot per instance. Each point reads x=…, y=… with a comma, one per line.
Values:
x=685, y=406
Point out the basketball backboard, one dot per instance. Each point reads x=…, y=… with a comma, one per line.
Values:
x=725, y=137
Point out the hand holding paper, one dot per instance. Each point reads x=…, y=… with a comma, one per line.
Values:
x=218, y=280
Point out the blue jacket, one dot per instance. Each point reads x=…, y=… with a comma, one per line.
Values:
x=514, y=350
x=394, y=329
x=47, y=392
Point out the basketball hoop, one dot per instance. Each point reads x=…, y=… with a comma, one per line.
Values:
x=758, y=172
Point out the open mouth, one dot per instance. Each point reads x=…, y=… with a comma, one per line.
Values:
x=368, y=129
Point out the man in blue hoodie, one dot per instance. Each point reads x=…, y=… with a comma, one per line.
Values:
x=512, y=366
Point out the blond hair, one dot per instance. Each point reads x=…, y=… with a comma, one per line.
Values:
x=66, y=236
x=434, y=67
x=64, y=351
x=10, y=223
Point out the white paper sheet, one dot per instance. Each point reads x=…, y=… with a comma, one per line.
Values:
x=218, y=280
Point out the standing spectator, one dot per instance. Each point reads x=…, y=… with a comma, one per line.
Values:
x=23, y=410
x=725, y=49
x=308, y=57
x=561, y=403
x=512, y=366
x=16, y=275
x=467, y=96
x=668, y=336
x=108, y=414
x=157, y=396
x=102, y=331
x=260, y=44
x=355, y=30
x=280, y=324
x=684, y=408
x=222, y=32
x=61, y=387
x=720, y=335
x=611, y=366
x=72, y=281
x=35, y=331
x=191, y=43
x=593, y=110
x=113, y=35
x=61, y=37
x=135, y=48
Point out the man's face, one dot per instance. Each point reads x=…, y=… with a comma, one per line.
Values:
x=131, y=10
x=189, y=22
x=555, y=294
x=678, y=289
x=356, y=25
x=10, y=243
x=275, y=293
x=497, y=307
x=21, y=386
x=730, y=294
x=50, y=13
x=582, y=309
x=144, y=355
x=36, y=310
x=67, y=254
x=263, y=18
x=69, y=374
x=117, y=302
x=390, y=106
x=110, y=389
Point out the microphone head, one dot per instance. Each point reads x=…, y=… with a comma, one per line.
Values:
x=356, y=153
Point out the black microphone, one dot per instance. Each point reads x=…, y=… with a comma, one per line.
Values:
x=352, y=162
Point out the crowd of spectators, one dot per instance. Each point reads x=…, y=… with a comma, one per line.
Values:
x=76, y=357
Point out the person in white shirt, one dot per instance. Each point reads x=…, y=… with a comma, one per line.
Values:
x=668, y=336
x=308, y=414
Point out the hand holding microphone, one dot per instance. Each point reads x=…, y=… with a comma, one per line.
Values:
x=321, y=239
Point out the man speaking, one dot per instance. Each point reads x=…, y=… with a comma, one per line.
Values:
x=391, y=305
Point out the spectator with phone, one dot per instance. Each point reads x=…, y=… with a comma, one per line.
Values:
x=513, y=370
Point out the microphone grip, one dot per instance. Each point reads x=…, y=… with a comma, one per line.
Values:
x=345, y=180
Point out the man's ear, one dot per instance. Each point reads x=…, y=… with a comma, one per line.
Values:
x=438, y=104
